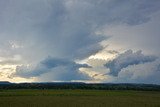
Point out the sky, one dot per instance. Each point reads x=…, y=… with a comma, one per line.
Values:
x=92, y=41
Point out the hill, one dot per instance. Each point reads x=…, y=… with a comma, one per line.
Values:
x=79, y=85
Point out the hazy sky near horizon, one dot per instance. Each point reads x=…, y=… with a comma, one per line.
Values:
x=80, y=40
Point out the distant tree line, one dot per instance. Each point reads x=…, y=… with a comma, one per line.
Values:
x=109, y=86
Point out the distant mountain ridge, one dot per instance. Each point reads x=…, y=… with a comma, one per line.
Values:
x=4, y=82
x=80, y=85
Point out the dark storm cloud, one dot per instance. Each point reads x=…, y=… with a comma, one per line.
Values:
x=65, y=30
x=126, y=59
x=142, y=73
x=62, y=68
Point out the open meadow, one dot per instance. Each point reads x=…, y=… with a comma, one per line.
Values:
x=78, y=98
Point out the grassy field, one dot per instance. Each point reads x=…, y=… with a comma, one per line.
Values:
x=78, y=98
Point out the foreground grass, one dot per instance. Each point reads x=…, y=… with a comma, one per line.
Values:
x=78, y=98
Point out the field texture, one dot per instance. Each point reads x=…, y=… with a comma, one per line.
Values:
x=78, y=98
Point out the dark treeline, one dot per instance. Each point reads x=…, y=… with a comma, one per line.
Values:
x=107, y=86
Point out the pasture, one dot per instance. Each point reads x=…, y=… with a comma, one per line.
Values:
x=78, y=98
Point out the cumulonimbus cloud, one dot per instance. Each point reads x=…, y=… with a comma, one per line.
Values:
x=65, y=30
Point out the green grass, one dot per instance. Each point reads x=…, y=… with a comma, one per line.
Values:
x=78, y=98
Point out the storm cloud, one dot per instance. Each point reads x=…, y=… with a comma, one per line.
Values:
x=62, y=69
x=142, y=73
x=126, y=59
x=69, y=31
x=65, y=28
